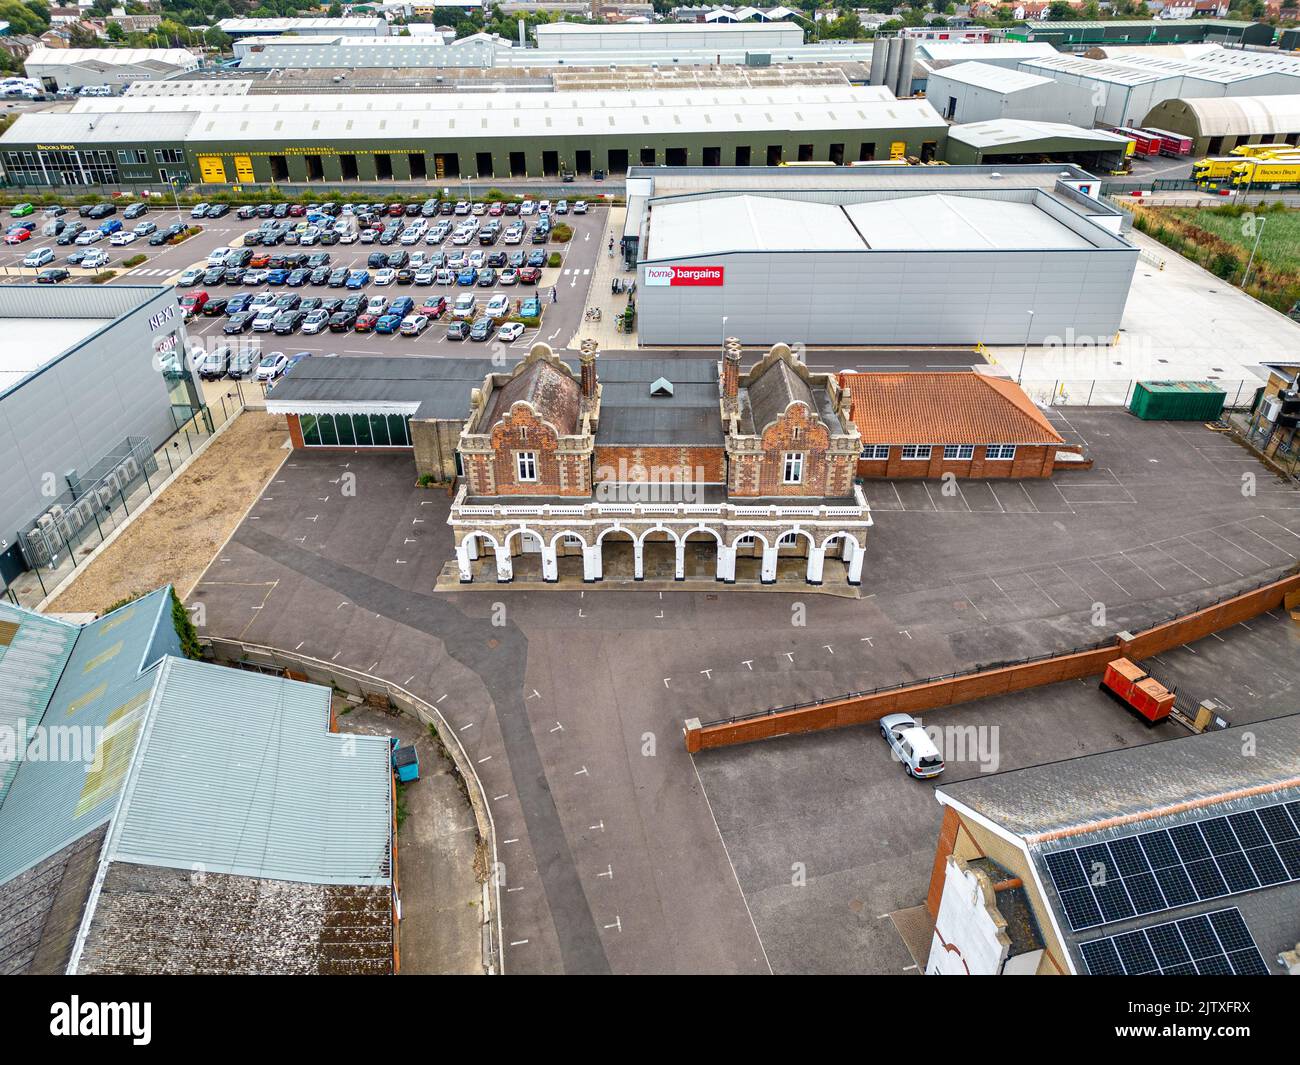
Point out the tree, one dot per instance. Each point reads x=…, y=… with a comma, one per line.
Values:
x=80, y=37
x=1060, y=11
x=22, y=19
x=335, y=10
x=217, y=38
x=115, y=32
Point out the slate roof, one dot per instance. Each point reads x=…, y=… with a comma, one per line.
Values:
x=778, y=387
x=629, y=414
x=556, y=397
x=945, y=408
x=431, y=388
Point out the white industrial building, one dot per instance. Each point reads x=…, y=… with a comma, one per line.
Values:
x=577, y=37
x=332, y=27
x=71, y=68
x=1217, y=126
x=1127, y=88
x=979, y=92
x=922, y=255
x=321, y=52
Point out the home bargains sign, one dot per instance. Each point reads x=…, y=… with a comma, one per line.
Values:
x=684, y=275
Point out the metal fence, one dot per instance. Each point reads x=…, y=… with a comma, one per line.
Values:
x=95, y=506
x=1116, y=392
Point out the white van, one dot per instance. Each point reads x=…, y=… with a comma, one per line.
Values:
x=464, y=306
x=911, y=746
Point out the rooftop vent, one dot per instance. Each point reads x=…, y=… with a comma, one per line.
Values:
x=662, y=387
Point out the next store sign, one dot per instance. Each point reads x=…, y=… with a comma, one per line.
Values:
x=684, y=275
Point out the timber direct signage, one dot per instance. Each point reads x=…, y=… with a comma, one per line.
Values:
x=659, y=276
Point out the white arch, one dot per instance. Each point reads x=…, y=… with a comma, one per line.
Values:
x=485, y=535
x=756, y=535
x=717, y=536
x=522, y=533
x=658, y=528
x=846, y=535
x=568, y=532
x=792, y=535
x=617, y=529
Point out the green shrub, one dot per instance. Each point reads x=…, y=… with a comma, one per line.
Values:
x=135, y=260
x=562, y=233
x=103, y=276
x=555, y=260
x=185, y=630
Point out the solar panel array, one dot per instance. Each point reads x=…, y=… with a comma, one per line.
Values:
x=1211, y=944
x=1137, y=875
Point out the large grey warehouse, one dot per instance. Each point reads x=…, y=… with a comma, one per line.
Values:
x=83, y=404
x=916, y=255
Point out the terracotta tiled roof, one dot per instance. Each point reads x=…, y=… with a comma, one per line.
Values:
x=945, y=408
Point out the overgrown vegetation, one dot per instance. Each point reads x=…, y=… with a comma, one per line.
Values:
x=103, y=276
x=555, y=260
x=1220, y=239
x=185, y=630
x=562, y=233
x=135, y=260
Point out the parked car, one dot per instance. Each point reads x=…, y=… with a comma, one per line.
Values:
x=365, y=323
x=580, y=207
x=18, y=236
x=468, y=276
x=190, y=277
x=482, y=329
x=199, y=210
x=136, y=210
x=52, y=276
x=240, y=363
x=192, y=302
x=122, y=238
x=498, y=307
x=94, y=259
x=297, y=278
x=487, y=278
x=388, y=323
x=911, y=746
x=414, y=324
x=238, y=302
x=38, y=257
x=273, y=365
x=358, y=279
x=464, y=306
x=342, y=321
x=213, y=365
x=458, y=330
x=22, y=210
x=316, y=322
x=288, y=321
x=385, y=277
x=215, y=307
x=530, y=308
x=510, y=331
x=339, y=277
x=239, y=322
x=144, y=229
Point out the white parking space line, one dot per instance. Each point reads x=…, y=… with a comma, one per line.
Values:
x=1202, y=550
x=1028, y=497
x=1181, y=563
x=1144, y=570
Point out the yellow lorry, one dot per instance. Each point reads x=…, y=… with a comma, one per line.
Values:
x=1267, y=172
x=1215, y=167
x=1263, y=151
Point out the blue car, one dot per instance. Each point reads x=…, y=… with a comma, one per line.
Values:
x=297, y=278
x=358, y=279
x=276, y=277
x=537, y=258
x=389, y=323
x=239, y=302
x=468, y=276
x=294, y=360
x=530, y=308
x=402, y=306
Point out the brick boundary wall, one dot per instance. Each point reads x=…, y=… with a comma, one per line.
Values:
x=932, y=695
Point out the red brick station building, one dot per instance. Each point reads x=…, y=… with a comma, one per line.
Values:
x=666, y=469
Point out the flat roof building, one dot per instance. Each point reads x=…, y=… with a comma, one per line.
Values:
x=978, y=92
x=572, y=36
x=267, y=27
x=1015, y=141
x=1076, y=35
x=341, y=137
x=71, y=68
x=852, y=250
x=61, y=430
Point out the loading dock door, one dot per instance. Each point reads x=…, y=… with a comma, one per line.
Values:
x=518, y=165
x=348, y=167
x=483, y=161
x=212, y=170
x=419, y=167
x=582, y=163
x=550, y=164
x=244, y=169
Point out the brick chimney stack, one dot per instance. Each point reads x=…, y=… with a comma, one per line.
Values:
x=587, y=358
x=730, y=372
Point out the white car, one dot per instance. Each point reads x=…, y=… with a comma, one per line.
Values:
x=544, y=207
x=38, y=257
x=479, y=208
x=272, y=366
x=218, y=256
x=414, y=324
x=143, y=229
x=255, y=277
x=580, y=207
x=350, y=237
x=463, y=236
x=424, y=276
x=192, y=276
x=528, y=207
x=514, y=235
x=376, y=305
x=911, y=746
x=316, y=322
x=262, y=299
x=385, y=276
x=464, y=306
x=368, y=236
x=265, y=320
x=417, y=260
x=508, y=276
x=434, y=236
x=122, y=238
x=498, y=306
x=89, y=236
x=95, y=258
x=478, y=259
x=510, y=331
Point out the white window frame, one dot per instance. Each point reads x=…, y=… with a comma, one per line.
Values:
x=999, y=452
x=793, y=464
x=916, y=452
x=875, y=452
x=526, y=459
x=958, y=452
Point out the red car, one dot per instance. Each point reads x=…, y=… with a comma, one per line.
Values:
x=260, y=260
x=192, y=302
x=396, y=210
x=496, y=210
x=297, y=210
x=365, y=323
x=18, y=236
x=529, y=275
x=434, y=307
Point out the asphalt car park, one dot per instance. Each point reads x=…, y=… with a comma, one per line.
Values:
x=622, y=853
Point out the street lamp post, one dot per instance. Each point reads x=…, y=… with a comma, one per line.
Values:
x=176, y=199
x=1254, y=248
x=1024, y=351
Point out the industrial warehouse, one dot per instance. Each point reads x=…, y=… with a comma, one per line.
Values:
x=847, y=256
x=411, y=137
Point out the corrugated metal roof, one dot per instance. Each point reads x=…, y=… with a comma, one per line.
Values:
x=987, y=76
x=100, y=702
x=747, y=223
x=33, y=652
x=239, y=774
x=998, y=132
x=44, y=56
x=1114, y=73
x=949, y=223
x=49, y=127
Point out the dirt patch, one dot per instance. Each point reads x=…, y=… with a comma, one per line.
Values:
x=173, y=541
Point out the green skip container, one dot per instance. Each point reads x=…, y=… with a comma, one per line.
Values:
x=1177, y=401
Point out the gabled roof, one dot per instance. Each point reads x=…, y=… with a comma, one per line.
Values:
x=555, y=396
x=945, y=408
x=774, y=390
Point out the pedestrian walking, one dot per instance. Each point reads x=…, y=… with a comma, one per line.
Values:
x=555, y=295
